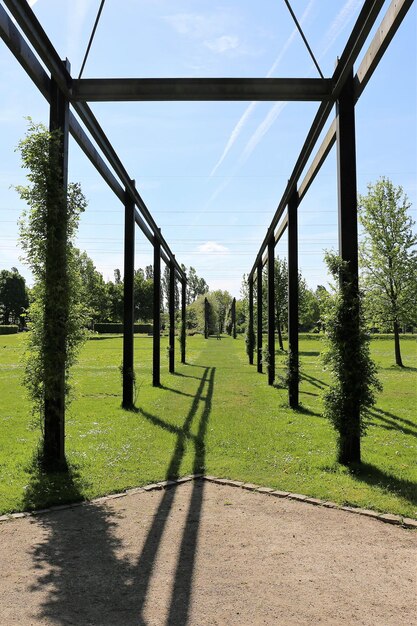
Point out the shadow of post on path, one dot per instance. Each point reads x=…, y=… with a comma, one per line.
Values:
x=80, y=573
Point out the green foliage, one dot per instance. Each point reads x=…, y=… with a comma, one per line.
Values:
x=13, y=296
x=353, y=374
x=388, y=258
x=10, y=329
x=46, y=207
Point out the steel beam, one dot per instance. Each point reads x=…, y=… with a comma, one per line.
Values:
x=200, y=89
x=171, y=306
x=293, y=356
x=259, y=319
x=281, y=230
x=156, y=367
x=271, y=311
x=250, y=325
x=360, y=32
x=44, y=48
x=128, y=303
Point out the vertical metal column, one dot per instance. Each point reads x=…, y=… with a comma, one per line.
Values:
x=171, y=317
x=156, y=368
x=128, y=302
x=259, y=317
x=293, y=354
x=206, y=318
x=56, y=284
x=271, y=310
x=183, y=320
x=250, y=325
x=349, y=435
x=234, y=318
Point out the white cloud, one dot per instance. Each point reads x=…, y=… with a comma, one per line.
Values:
x=340, y=22
x=223, y=44
x=262, y=129
x=32, y=2
x=252, y=106
x=211, y=247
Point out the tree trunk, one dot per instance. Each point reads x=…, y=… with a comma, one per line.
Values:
x=398, y=359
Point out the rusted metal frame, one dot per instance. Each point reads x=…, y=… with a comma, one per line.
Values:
x=293, y=316
x=360, y=31
x=200, y=89
x=171, y=306
x=259, y=318
x=36, y=35
x=128, y=376
x=271, y=310
x=156, y=348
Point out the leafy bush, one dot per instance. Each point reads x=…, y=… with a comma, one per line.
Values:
x=9, y=329
x=353, y=374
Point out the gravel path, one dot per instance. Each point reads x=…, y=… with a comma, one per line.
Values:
x=205, y=554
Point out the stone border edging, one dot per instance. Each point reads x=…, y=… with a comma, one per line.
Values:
x=388, y=518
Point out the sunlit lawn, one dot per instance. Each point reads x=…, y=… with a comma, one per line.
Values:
x=215, y=415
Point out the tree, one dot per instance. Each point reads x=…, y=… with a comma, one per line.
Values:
x=13, y=296
x=388, y=257
x=143, y=296
x=95, y=293
x=196, y=286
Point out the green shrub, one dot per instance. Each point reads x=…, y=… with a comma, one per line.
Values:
x=9, y=329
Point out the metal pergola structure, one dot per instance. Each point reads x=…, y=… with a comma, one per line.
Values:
x=343, y=90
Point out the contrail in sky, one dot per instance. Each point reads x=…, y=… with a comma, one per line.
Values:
x=249, y=110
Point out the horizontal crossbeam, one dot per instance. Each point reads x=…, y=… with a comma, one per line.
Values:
x=200, y=89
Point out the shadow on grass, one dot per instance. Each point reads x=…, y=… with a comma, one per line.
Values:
x=81, y=571
x=372, y=475
x=314, y=353
x=316, y=382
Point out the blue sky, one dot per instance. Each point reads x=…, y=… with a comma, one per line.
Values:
x=212, y=174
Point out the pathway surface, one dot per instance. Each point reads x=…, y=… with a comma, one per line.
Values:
x=205, y=554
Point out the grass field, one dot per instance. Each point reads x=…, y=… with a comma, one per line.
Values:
x=216, y=415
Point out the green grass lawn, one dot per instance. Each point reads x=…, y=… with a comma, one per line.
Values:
x=216, y=415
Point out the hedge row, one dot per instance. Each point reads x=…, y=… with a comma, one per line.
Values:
x=104, y=327
x=10, y=329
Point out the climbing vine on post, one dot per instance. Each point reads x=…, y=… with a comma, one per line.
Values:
x=47, y=231
x=353, y=374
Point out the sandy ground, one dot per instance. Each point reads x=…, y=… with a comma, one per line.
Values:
x=206, y=554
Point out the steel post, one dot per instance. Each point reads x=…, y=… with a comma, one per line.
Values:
x=349, y=433
x=183, y=320
x=156, y=368
x=293, y=354
x=271, y=310
x=171, y=318
x=250, y=331
x=56, y=283
x=128, y=303
x=259, y=317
